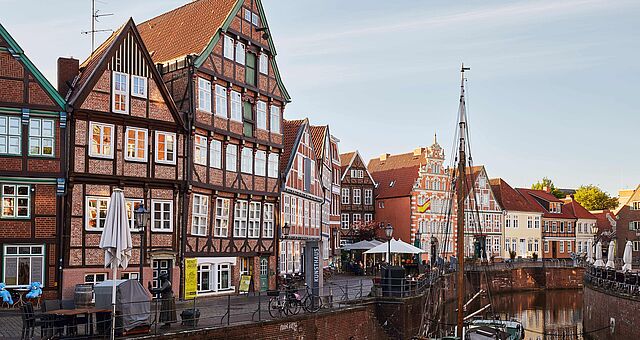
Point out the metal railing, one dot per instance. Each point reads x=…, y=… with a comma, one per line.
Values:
x=613, y=281
x=521, y=263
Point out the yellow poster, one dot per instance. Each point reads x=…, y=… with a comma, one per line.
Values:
x=190, y=278
x=245, y=282
x=426, y=205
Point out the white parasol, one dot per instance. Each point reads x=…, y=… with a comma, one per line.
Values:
x=599, y=262
x=627, y=257
x=589, y=253
x=610, y=256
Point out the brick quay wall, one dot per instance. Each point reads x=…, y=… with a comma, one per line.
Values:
x=606, y=307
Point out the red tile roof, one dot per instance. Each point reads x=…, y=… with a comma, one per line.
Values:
x=579, y=211
x=345, y=160
x=397, y=161
x=395, y=182
x=318, y=134
x=531, y=196
x=510, y=199
x=185, y=30
x=291, y=132
x=602, y=221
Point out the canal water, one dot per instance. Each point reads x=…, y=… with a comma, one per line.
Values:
x=553, y=314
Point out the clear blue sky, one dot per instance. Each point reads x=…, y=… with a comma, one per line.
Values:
x=552, y=90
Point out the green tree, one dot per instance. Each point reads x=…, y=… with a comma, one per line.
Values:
x=593, y=198
x=547, y=183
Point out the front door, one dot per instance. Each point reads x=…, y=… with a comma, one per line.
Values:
x=161, y=267
x=264, y=274
x=554, y=249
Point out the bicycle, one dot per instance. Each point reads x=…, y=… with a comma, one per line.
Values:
x=309, y=302
x=278, y=304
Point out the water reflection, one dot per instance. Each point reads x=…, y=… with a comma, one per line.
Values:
x=544, y=314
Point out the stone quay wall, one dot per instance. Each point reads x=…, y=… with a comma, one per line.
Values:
x=606, y=307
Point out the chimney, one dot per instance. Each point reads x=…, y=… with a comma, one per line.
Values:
x=68, y=69
x=546, y=189
x=384, y=157
x=417, y=152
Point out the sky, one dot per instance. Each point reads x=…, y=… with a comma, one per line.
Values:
x=551, y=90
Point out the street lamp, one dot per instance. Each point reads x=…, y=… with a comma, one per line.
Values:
x=141, y=216
x=389, y=231
x=285, y=231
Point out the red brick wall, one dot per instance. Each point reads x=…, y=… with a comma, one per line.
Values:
x=601, y=307
x=396, y=211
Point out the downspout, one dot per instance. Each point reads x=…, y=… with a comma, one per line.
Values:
x=62, y=202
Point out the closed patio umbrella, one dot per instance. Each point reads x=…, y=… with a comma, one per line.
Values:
x=116, y=242
x=589, y=254
x=610, y=256
x=628, y=248
x=599, y=262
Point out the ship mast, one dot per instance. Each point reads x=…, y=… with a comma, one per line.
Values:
x=461, y=195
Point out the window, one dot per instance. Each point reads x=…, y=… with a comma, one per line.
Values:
x=569, y=227
x=200, y=150
x=247, y=161
x=250, y=70
x=554, y=227
x=204, y=278
x=261, y=116
x=546, y=226
x=215, y=154
x=634, y=225
x=165, y=147
x=96, y=212
x=537, y=222
x=345, y=195
x=254, y=19
x=287, y=209
x=381, y=204
x=221, y=101
x=23, y=264
x=561, y=246
x=254, y=219
x=300, y=168
x=120, y=93
x=535, y=245
x=546, y=246
x=200, y=214
x=357, y=196
x=228, y=47
x=224, y=277
x=16, y=201
x=275, y=119
x=272, y=169
x=95, y=278
x=161, y=215
x=261, y=162
x=267, y=227
x=101, y=144
x=264, y=63
x=231, y=157
x=10, y=135
x=568, y=246
x=130, y=276
x=368, y=196
x=562, y=227
x=636, y=245
x=131, y=205
x=554, y=207
x=236, y=106
x=368, y=218
x=139, y=86
x=529, y=222
x=136, y=144
x=635, y=205
x=247, y=15
x=204, y=95
x=294, y=212
x=240, y=53
x=356, y=218
x=222, y=218
x=41, y=137
x=240, y=219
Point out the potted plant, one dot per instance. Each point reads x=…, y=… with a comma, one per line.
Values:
x=512, y=255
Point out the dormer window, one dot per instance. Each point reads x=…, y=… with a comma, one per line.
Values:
x=120, y=93
x=554, y=207
x=635, y=205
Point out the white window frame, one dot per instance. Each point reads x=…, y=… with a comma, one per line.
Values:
x=236, y=106
x=165, y=207
x=31, y=255
x=10, y=135
x=200, y=215
x=39, y=136
x=215, y=154
x=231, y=157
x=166, y=149
x=300, y=166
x=368, y=217
x=120, y=92
x=273, y=165
x=226, y=267
x=246, y=162
x=635, y=205
x=261, y=115
x=101, y=146
x=345, y=195
x=287, y=209
x=131, y=204
x=268, y=218
x=229, y=46
x=275, y=119
x=88, y=209
x=137, y=90
x=264, y=63
x=136, y=140
x=368, y=197
x=255, y=211
x=240, y=53
x=16, y=199
x=260, y=163
x=357, y=196
x=200, y=149
x=222, y=105
x=204, y=95
x=241, y=210
x=221, y=228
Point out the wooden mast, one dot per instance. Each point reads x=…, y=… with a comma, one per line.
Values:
x=461, y=194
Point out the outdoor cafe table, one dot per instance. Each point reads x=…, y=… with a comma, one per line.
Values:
x=89, y=312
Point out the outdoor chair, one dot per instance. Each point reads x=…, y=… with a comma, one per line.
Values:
x=73, y=321
x=56, y=324
x=30, y=321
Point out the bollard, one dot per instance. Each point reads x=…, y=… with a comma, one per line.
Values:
x=228, y=309
x=194, y=312
x=259, y=307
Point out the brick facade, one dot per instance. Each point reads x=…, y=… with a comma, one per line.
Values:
x=357, y=206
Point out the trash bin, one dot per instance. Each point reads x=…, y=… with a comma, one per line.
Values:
x=190, y=317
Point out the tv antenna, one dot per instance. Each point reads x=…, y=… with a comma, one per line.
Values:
x=95, y=16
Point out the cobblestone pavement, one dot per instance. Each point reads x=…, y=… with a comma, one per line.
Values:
x=220, y=311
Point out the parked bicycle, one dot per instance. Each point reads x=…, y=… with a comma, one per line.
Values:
x=309, y=302
x=291, y=302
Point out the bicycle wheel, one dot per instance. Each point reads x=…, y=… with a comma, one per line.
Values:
x=312, y=303
x=275, y=310
x=292, y=307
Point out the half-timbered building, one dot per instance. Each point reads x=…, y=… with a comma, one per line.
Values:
x=217, y=58
x=302, y=197
x=334, y=213
x=357, y=204
x=32, y=143
x=125, y=132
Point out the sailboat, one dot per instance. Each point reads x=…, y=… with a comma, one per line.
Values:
x=468, y=327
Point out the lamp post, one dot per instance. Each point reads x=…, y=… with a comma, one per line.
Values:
x=141, y=216
x=418, y=241
x=389, y=231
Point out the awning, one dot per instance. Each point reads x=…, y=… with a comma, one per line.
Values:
x=396, y=247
